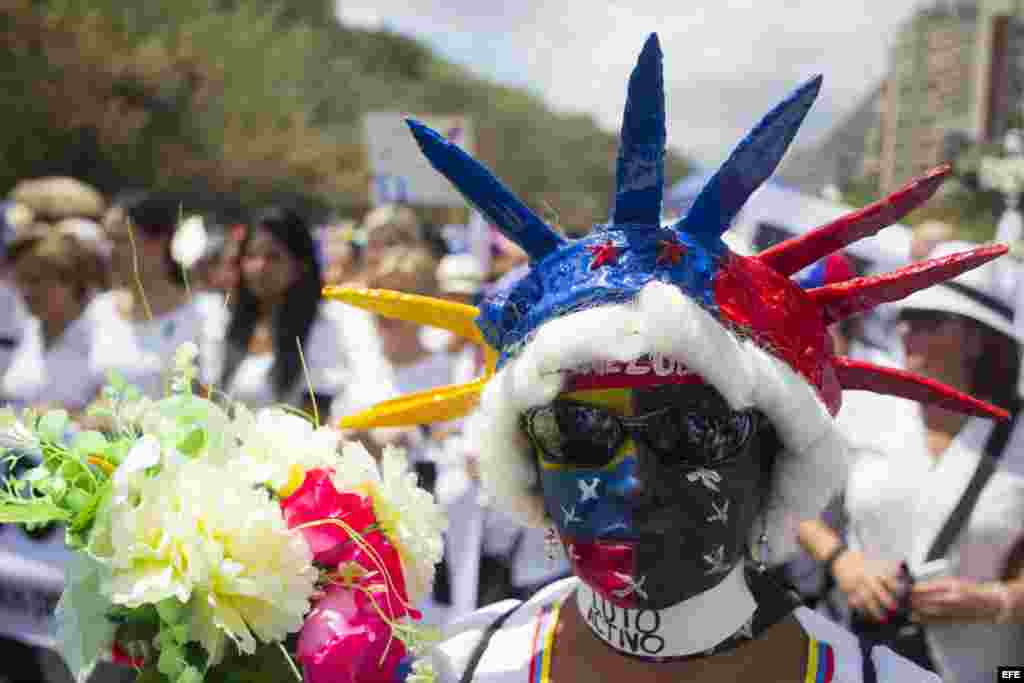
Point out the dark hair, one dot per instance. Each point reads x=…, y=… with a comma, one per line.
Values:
x=154, y=215
x=995, y=372
x=292, y=321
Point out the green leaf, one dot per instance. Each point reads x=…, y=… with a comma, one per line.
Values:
x=99, y=538
x=53, y=425
x=83, y=631
x=116, y=381
x=88, y=443
x=87, y=514
x=56, y=486
x=171, y=610
x=77, y=500
x=33, y=512
x=190, y=675
x=193, y=443
x=118, y=450
x=172, y=659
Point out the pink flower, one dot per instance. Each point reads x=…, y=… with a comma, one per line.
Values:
x=122, y=658
x=345, y=640
x=317, y=499
x=390, y=593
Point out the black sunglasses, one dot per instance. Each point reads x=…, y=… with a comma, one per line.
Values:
x=579, y=434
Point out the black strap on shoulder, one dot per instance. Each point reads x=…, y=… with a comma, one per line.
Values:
x=965, y=506
x=868, y=670
x=485, y=640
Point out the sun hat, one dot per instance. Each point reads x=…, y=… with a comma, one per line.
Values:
x=979, y=294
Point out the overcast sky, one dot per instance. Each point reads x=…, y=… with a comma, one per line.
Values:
x=725, y=65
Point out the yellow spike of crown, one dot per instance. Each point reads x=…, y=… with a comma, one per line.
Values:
x=422, y=310
x=422, y=407
x=433, y=405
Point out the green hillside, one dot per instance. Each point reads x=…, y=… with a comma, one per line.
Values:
x=258, y=100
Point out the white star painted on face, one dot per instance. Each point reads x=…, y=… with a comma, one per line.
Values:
x=573, y=555
x=588, y=491
x=570, y=515
x=721, y=513
x=632, y=586
x=717, y=561
x=709, y=478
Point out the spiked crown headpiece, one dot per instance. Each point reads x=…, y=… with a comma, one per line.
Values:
x=616, y=261
x=637, y=304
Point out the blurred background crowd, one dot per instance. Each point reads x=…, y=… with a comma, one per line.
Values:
x=152, y=196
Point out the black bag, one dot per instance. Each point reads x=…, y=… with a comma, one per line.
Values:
x=495, y=580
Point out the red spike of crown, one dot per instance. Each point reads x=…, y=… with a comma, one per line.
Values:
x=854, y=374
x=843, y=299
x=790, y=256
x=791, y=323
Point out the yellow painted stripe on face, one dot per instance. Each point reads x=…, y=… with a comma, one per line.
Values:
x=620, y=402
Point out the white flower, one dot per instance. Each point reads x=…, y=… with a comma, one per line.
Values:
x=277, y=447
x=204, y=536
x=134, y=412
x=15, y=435
x=411, y=518
x=129, y=475
x=185, y=362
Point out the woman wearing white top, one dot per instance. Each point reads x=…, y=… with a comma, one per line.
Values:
x=149, y=314
x=276, y=323
x=57, y=277
x=908, y=481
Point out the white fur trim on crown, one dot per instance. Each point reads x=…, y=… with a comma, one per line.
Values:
x=663, y=320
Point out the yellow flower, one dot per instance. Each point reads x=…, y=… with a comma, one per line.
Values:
x=200, y=534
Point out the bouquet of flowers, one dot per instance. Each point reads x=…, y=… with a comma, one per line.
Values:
x=217, y=544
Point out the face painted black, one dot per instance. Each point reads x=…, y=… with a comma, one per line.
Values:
x=697, y=503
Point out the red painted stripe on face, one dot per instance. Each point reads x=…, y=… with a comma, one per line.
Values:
x=609, y=567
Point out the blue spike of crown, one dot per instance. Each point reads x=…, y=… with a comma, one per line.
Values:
x=750, y=164
x=640, y=168
x=486, y=193
x=616, y=261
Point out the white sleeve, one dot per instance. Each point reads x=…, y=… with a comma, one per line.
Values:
x=326, y=357
x=369, y=378
x=451, y=656
x=892, y=668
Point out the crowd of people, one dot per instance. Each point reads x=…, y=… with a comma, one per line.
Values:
x=95, y=288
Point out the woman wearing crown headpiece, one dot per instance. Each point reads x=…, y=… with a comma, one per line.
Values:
x=667, y=407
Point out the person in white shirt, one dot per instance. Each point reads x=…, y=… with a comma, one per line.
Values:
x=278, y=347
x=149, y=313
x=914, y=468
x=57, y=277
x=14, y=318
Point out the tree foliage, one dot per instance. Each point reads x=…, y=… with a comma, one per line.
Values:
x=258, y=99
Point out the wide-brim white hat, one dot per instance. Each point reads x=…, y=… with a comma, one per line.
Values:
x=985, y=294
